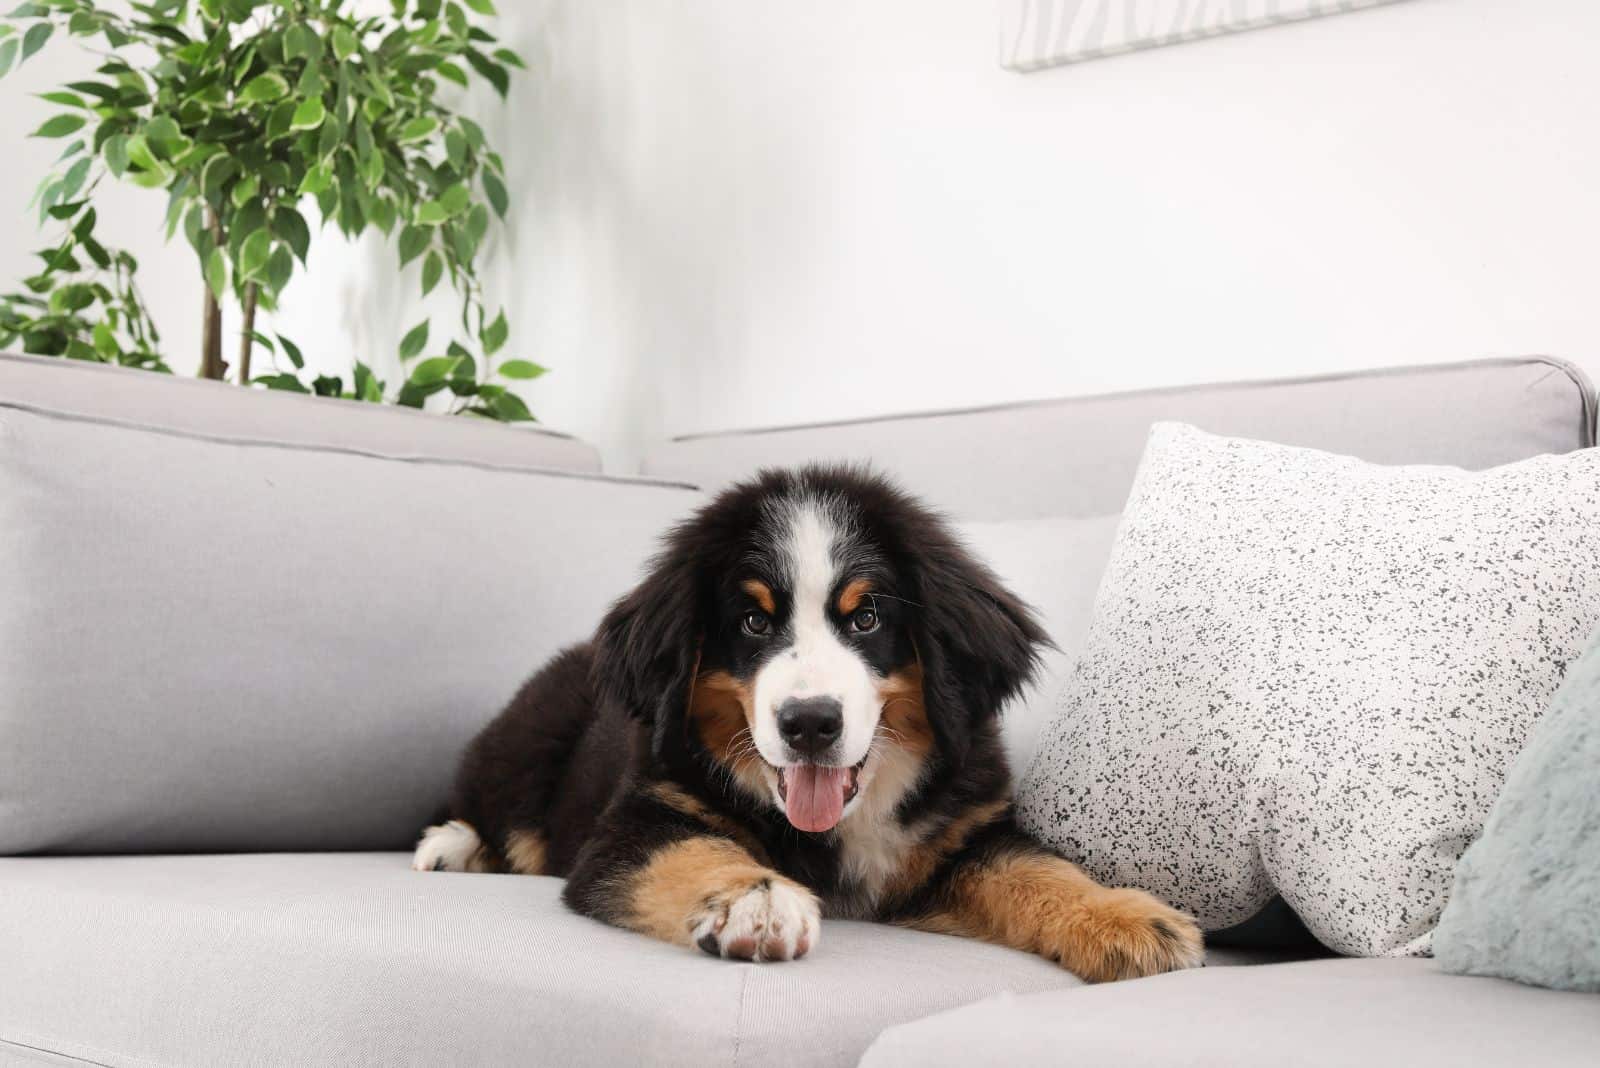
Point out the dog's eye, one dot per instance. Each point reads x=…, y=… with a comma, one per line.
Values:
x=756, y=624
x=864, y=621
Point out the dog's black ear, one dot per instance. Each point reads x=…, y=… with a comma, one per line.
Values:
x=979, y=644
x=648, y=644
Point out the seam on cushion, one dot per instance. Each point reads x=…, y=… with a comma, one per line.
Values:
x=54, y=363
x=57, y=1053
x=1586, y=395
x=738, y=1015
x=344, y=450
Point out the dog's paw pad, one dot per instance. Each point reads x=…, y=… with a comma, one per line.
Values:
x=772, y=920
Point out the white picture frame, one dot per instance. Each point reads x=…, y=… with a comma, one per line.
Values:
x=1038, y=34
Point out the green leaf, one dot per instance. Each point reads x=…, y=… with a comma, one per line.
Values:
x=217, y=273
x=494, y=73
x=455, y=147
x=495, y=190
x=264, y=88
x=495, y=335
x=35, y=38
x=413, y=242
x=509, y=408
x=139, y=154
x=164, y=133
x=456, y=198
x=345, y=43
x=309, y=115
x=521, y=369
x=253, y=254
x=417, y=129
x=432, y=271
x=68, y=100
x=75, y=177
x=279, y=121
x=450, y=72
x=434, y=370
x=245, y=190
x=368, y=388
x=286, y=382
x=105, y=342
x=482, y=7
x=291, y=350
x=8, y=56
x=116, y=154
x=414, y=341
x=317, y=180
x=372, y=169
x=510, y=58
x=290, y=225
x=280, y=268
x=301, y=40
x=61, y=126
x=432, y=213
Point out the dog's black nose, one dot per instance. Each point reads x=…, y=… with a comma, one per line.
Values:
x=810, y=724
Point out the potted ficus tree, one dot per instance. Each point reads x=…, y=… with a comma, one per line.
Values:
x=261, y=119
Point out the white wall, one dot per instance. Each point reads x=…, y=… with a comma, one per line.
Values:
x=778, y=212
x=732, y=212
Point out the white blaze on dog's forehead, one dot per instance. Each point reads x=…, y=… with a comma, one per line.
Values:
x=808, y=535
x=808, y=556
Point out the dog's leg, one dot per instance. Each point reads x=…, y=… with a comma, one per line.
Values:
x=661, y=870
x=1015, y=893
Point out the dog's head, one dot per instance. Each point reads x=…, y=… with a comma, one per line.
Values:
x=811, y=629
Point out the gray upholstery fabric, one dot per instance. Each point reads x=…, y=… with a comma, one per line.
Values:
x=210, y=644
x=1077, y=457
x=1055, y=565
x=1526, y=899
x=343, y=959
x=122, y=395
x=1327, y=1012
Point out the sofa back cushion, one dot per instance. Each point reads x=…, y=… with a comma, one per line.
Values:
x=281, y=638
x=1077, y=456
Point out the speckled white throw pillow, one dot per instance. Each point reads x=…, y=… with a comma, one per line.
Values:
x=1307, y=674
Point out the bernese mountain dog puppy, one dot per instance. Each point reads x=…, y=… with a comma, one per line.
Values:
x=794, y=715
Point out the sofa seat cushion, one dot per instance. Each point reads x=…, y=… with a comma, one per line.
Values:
x=1322, y=1012
x=312, y=959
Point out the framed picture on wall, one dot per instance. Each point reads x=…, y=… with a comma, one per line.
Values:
x=1035, y=34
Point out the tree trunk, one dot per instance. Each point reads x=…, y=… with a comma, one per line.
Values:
x=247, y=338
x=211, y=365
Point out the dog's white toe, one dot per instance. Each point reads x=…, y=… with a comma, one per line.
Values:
x=774, y=921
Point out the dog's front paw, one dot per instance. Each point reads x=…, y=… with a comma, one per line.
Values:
x=1128, y=934
x=771, y=920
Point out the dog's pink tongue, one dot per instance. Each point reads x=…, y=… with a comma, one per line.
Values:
x=815, y=796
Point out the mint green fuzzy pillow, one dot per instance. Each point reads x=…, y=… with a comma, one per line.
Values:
x=1526, y=902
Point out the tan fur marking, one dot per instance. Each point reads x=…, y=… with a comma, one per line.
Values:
x=904, y=715
x=761, y=593
x=925, y=858
x=695, y=809
x=525, y=852
x=721, y=708
x=851, y=596
x=1044, y=905
x=685, y=880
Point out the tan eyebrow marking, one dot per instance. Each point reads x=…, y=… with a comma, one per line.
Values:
x=762, y=594
x=851, y=596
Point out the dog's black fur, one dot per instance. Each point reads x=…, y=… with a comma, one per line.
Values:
x=615, y=753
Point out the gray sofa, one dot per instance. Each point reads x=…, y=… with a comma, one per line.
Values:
x=243, y=637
